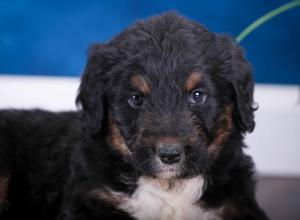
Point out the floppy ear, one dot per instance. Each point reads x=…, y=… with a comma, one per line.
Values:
x=238, y=73
x=91, y=90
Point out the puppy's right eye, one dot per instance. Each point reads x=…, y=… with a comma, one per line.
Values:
x=135, y=100
x=197, y=97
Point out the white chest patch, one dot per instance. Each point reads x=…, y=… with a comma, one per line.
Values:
x=163, y=200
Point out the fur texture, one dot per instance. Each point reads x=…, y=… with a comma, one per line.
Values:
x=164, y=107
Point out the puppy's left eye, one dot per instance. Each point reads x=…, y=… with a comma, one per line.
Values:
x=197, y=96
x=135, y=100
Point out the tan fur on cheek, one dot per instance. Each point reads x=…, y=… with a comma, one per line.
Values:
x=4, y=182
x=225, y=126
x=117, y=139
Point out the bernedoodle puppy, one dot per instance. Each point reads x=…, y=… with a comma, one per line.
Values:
x=163, y=110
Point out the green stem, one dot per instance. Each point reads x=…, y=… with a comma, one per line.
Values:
x=258, y=22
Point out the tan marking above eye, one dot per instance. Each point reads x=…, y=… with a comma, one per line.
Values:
x=140, y=83
x=192, y=81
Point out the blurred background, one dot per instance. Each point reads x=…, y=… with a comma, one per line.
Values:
x=43, y=47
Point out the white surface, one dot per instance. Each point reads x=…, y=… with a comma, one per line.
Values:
x=274, y=144
x=52, y=93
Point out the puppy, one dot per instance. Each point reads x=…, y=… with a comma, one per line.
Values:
x=163, y=110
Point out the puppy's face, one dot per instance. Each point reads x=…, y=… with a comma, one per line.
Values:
x=168, y=120
x=170, y=103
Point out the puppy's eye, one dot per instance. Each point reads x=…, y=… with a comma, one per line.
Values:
x=135, y=100
x=197, y=97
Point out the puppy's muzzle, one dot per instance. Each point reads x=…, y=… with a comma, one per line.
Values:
x=170, y=153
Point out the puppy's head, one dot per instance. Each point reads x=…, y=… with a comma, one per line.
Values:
x=169, y=95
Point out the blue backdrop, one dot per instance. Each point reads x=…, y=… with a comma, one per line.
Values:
x=51, y=37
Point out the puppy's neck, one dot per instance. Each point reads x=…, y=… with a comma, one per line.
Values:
x=191, y=187
x=165, y=199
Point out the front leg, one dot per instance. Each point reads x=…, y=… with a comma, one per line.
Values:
x=96, y=204
x=87, y=214
x=243, y=210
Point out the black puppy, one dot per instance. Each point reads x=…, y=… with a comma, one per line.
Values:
x=164, y=106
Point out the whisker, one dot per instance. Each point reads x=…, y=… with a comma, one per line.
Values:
x=142, y=163
x=195, y=168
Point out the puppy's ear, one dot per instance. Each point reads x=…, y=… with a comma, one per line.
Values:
x=91, y=90
x=238, y=74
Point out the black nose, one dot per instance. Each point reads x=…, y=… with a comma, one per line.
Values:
x=170, y=153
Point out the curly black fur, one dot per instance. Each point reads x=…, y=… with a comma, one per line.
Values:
x=52, y=163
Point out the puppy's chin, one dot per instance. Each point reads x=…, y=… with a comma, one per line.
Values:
x=167, y=175
x=156, y=169
x=168, y=171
